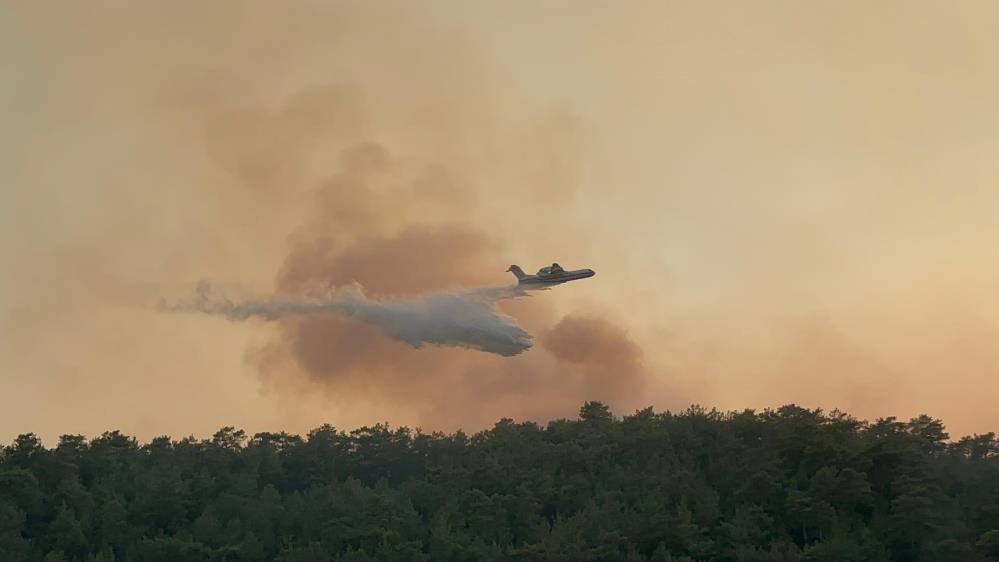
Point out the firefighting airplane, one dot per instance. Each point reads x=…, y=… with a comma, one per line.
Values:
x=553, y=275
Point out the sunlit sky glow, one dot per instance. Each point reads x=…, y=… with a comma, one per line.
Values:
x=783, y=202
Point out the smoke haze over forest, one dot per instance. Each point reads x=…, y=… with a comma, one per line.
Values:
x=783, y=205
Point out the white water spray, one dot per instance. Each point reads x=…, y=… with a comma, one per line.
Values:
x=459, y=319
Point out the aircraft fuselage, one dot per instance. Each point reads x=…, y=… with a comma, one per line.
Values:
x=555, y=280
x=546, y=277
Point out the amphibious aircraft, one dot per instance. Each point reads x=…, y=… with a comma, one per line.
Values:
x=552, y=275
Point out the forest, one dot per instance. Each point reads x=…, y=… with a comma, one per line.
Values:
x=787, y=484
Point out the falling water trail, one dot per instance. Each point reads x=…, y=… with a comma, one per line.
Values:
x=466, y=318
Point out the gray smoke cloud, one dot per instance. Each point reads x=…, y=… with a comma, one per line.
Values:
x=465, y=319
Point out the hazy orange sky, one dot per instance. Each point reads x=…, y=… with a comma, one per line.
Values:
x=784, y=202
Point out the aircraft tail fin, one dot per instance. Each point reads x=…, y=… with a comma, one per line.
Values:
x=515, y=269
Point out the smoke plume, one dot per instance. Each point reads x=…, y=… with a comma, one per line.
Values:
x=782, y=206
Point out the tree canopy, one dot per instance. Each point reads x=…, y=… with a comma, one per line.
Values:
x=790, y=484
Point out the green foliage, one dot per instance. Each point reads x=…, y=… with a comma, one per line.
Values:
x=785, y=485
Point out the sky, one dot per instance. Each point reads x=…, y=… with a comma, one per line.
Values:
x=784, y=203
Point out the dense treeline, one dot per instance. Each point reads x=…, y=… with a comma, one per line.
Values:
x=784, y=485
